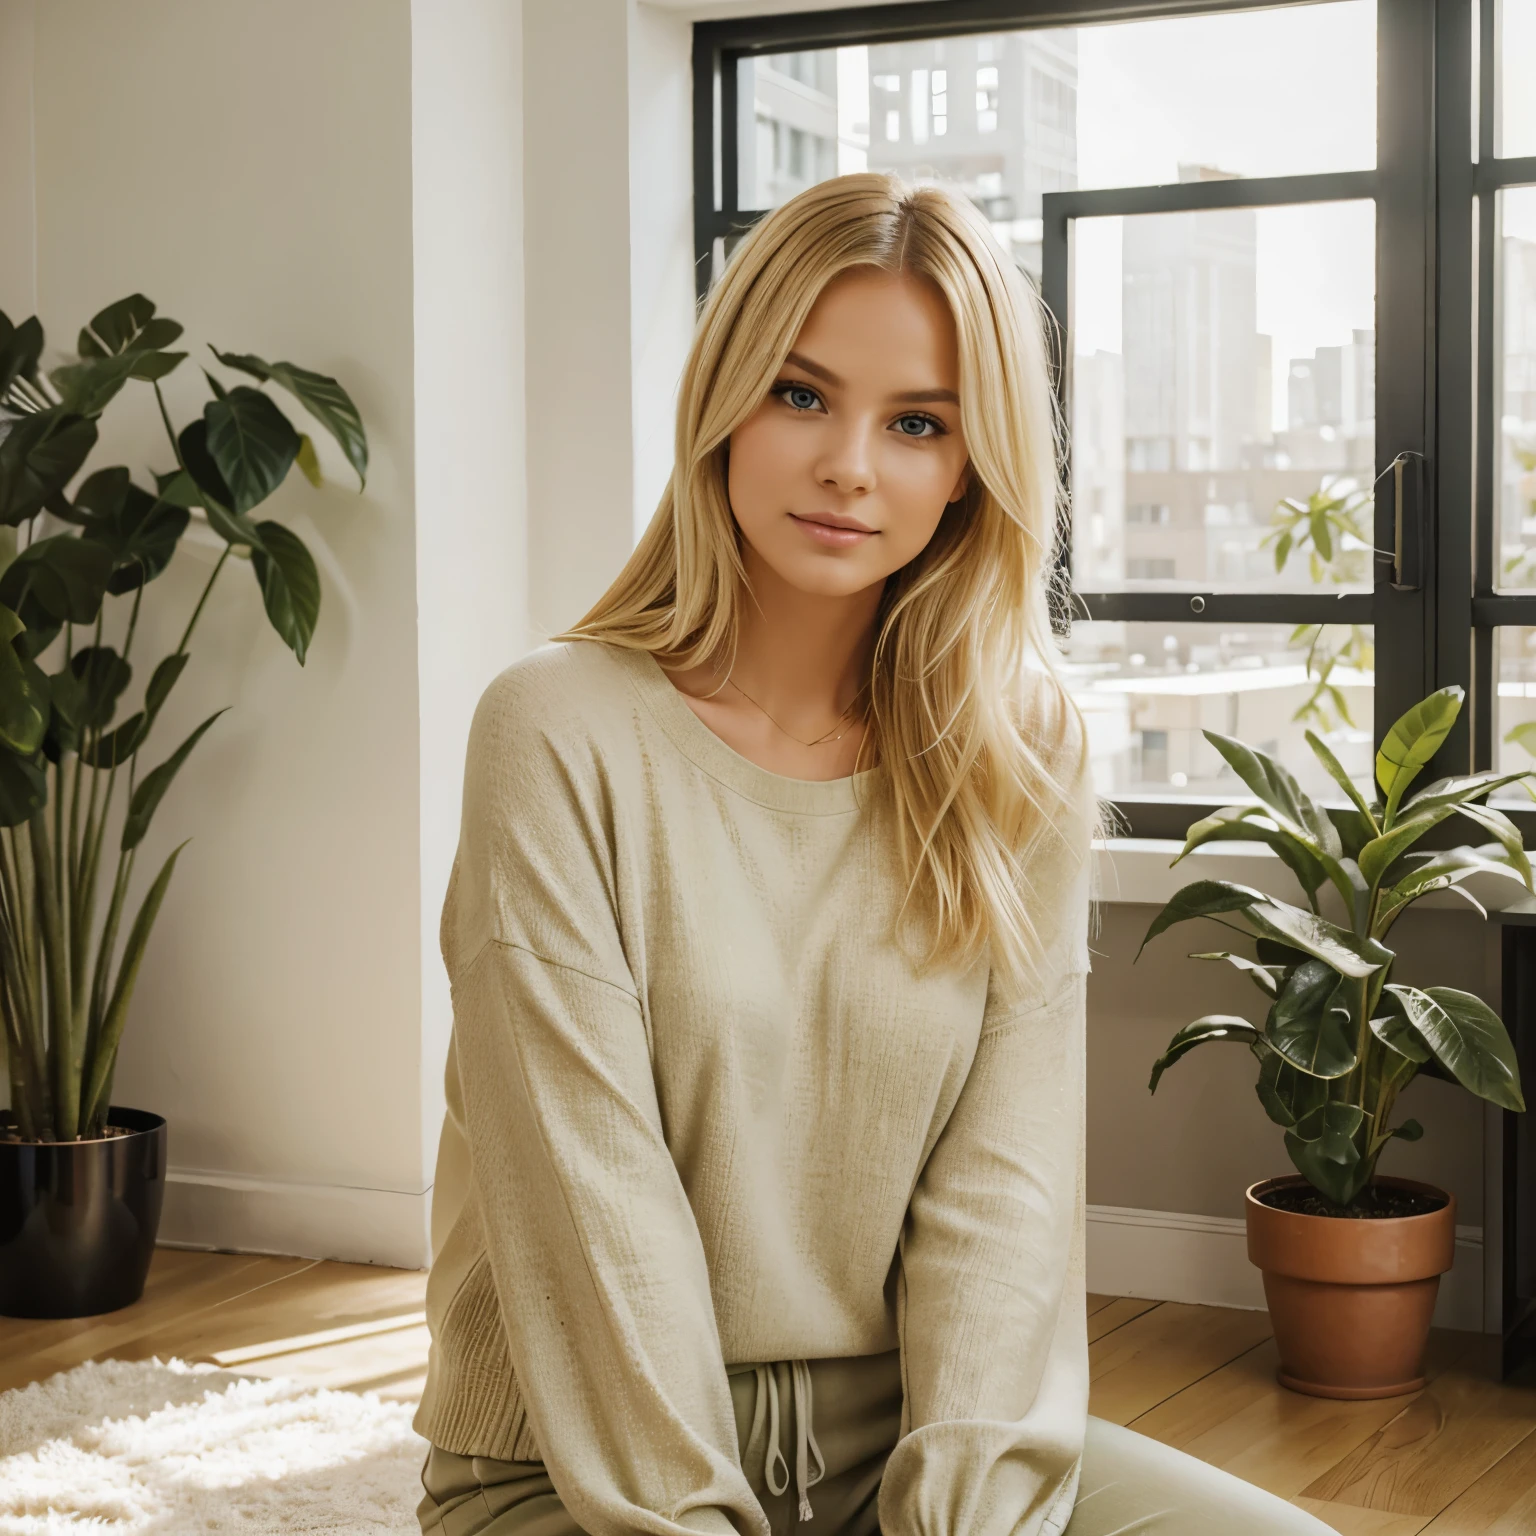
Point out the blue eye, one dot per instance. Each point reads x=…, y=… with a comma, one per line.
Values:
x=904, y=426
x=800, y=397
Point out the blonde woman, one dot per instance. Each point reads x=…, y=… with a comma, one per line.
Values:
x=759, y=1204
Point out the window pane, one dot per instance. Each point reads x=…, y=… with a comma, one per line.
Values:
x=1515, y=410
x=1010, y=115
x=1514, y=715
x=1223, y=399
x=1149, y=690
x=1517, y=50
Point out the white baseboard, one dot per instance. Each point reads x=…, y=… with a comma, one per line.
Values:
x=1167, y=1256
x=313, y=1221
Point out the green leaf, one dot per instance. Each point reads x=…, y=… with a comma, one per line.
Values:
x=154, y=784
x=1409, y=1130
x=1276, y=786
x=129, y=325
x=1443, y=869
x=99, y=1069
x=115, y=747
x=103, y=677
x=290, y=585
x=1397, y=1034
x=1309, y=1023
x=39, y=456
x=1506, y=834
x=1264, y=977
x=309, y=460
x=1202, y=898
x=162, y=680
x=1251, y=823
x=23, y=705
x=1324, y=1146
x=252, y=443
x=1456, y=794
x=320, y=395
x=1286, y=1093
x=138, y=530
x=23, y=790
x=1412, y=742
x=66, y=575
x=20, y=347
x=1355, y=829
x=1381, y=853
x=1214, y=1026
x=215, y=497
x=1334, y=946
x=178, y=488
x=1468, y=1038
x=1335, y=770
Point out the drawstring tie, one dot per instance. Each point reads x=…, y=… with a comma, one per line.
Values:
x=805, y=1439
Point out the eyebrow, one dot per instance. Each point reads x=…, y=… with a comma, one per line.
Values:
x=913, y=396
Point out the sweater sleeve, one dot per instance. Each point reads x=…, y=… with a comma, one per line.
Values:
x=990, y=1304
x=596, y=1258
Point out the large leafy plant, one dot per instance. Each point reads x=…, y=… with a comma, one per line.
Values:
x=1340, y=1039
x=73, y=562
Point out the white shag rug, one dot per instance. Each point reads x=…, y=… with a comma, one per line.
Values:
x=152, y=1448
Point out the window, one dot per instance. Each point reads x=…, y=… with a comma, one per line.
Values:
x=1296, y=318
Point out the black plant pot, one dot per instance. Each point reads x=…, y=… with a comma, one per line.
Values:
x=78, y=1218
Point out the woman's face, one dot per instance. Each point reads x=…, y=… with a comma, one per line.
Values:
x=861, y=425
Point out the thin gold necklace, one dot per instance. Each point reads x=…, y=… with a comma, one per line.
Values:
x=820, y=739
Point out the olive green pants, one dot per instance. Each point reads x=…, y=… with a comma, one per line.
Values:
x=827, y=1460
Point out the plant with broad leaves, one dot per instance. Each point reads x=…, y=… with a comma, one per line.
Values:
x=64, y=989
x=1340, y=1039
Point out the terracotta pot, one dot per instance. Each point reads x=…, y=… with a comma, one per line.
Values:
x=1351, y=1298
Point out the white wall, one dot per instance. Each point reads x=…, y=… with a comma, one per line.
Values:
x=18, y=286
x=471, y=486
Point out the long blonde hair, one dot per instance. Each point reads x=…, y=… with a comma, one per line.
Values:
x=980, y=751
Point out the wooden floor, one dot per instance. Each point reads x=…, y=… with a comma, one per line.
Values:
x=1458, y=1459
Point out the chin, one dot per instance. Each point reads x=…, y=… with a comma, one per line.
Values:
x=827, y=575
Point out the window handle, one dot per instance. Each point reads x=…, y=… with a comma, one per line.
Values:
x=1407, y=471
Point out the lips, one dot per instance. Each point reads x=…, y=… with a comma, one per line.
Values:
x=833, y=535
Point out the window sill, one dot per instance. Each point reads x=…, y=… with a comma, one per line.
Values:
x=1136, y=870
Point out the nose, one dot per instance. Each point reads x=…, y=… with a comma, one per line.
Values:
x=847, y=461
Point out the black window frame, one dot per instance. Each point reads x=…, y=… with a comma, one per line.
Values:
x=1434, y=607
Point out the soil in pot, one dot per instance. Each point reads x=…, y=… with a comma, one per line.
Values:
x=1378, y=1203
x=1351, y=1295
x=78, y=1218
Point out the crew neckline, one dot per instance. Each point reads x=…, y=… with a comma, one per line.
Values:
x=697, y=742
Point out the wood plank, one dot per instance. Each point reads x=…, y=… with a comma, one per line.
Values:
x=1351, y=1520
x=321, y=1296
x=1432, y=1452
x=1502, y=1502
x=357, y=1365
x=1241, y=1419
x=1119, y=1311
x=1097, y=1303
x=1145, y=1361
x=181, y=1289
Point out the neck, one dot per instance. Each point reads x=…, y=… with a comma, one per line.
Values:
x=801, y=655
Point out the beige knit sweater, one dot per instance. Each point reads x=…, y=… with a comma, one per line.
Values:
x=701, y=1111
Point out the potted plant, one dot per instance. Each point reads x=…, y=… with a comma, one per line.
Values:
x=81, y=1178
x=1351, y=1259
